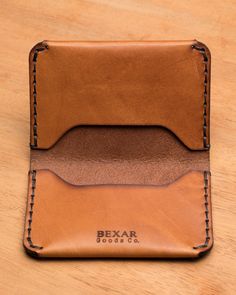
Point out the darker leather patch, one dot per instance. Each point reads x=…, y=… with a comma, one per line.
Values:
x=119, y=155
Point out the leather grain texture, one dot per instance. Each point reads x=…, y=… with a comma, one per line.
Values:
x=119, y=155
x=120, y=138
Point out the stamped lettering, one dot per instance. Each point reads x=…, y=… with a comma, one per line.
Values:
x=117, y=236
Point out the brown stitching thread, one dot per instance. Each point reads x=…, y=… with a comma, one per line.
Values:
x=202, y=50
x=207, y=229
x=31, y=206
x=35, y=132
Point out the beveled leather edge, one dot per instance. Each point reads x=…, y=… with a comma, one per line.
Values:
x=197, y=45
x=33, y=250
x=114, y=126
x=61, y=179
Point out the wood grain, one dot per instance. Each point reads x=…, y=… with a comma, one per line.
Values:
x=23, y=23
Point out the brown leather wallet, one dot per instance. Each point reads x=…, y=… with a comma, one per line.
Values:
x=120, y=137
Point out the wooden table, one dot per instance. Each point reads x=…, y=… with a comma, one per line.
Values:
x=23, y=23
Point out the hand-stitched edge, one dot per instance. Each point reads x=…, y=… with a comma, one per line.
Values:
x=31, y=206
x=206, y=203
x=39, y=47
x=202, y=50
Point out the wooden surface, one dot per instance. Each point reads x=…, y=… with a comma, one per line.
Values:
x=23, y=23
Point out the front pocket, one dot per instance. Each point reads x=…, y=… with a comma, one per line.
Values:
x=65, y=220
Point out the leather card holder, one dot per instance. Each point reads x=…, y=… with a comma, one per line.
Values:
x=120, y=140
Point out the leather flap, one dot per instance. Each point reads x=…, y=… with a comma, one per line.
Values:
x=120, y=83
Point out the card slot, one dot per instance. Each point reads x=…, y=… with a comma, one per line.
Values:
x=118, y=220
x=110, y=83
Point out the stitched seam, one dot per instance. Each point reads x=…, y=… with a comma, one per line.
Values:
x=31, y=206
x=34, y=88
x=206, y=203
x=202, y=50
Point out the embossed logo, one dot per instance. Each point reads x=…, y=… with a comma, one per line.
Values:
x=117, y=236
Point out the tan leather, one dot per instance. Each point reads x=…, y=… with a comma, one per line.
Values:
x=161, y=229
x=119, y=150
x=119, y=83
